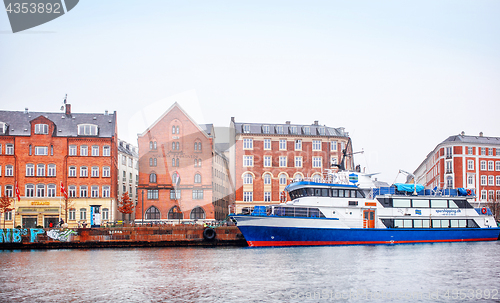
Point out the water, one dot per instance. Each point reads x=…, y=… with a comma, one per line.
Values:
x=383, y=273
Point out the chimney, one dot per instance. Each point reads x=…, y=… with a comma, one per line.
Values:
x=106, y=112
x=232, y=119
x=316, y=122
x=68, y=109
x=25, y=110
x=462, y=133
x=287, y=122
x=480, y=134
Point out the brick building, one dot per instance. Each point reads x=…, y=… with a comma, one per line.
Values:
x=471, y=162
x=41, y=151
x=266, y=157
x=181, y=174
x=128, y=174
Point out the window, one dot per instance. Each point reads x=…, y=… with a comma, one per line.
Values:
x=152, y=213
x=106, y=172
x=72, y=214
x=51, y=171
x=124, y=160
x=152, y=145
x=283, y=161
x=449, y=182
x=491, y=180
x=307, y=130
x=470, y=164
x=83, y=214
x=197, y=178
x=470, y=180
x=175, y=194
x=152, y=178
x=333, y=146
x=173, y=129
x=152, y=194
x=72, y=150
x=483, y=165
x=293, y=129
x=84, y=172
x=266, y=129
x=72, y=191
x=449, y=166
x=94, y=171
x=246, y=128
x=267, y=161
x=95, y=150
x=267, y=179
x=497, y=165
x=8, y=216
x=498, y=180
x=72, y=171
x=9, y=170
x=41, y=150
x=321, y=130
x=40, y=190
x=130, y=162
x=449, y=152
x=247, y=196
x=40, y=170
x=84, y=150
x=9, y=191
x=483, y=194
x=197, y=194
x=282, y=144
x=483, y=180
x=267, y=144
x=106, y=150
x=175, y=213
x=316, y=162
x=490, y=151
x=483, y=151
x=30, y=190
x=279, y=129
x=247, y=178
x=282, y=178
x=298, y=144
x=197, y=213
x=470, y=150
x=94, y=191
x=175, y=162
x=105, y=213
x=316, y=178
x=87, y=130
x=9, y=149
x=267, y=196
x=152, y=162
x=247, y=143
x=51, y=190
x=247, y=161
x=316, y=145
x=83, y=191
x=30, y=170
x=490, y=165
x=298, y=161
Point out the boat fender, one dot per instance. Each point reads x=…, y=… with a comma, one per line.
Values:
x=484, y=211
x=209, y=234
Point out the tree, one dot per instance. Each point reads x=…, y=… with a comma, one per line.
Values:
x=67, y=205
x=125, y=204
x=5, y=203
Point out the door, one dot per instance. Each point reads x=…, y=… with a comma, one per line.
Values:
x=369, y=218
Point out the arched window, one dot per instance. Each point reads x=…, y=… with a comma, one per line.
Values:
x=298, y=177
x=173, y=161
x=177, y=128
x=150, y=161
x=177, y=145
x=199, y=162
x=173, y=145
x=195, y=163
x=152, y=213
x=173, y=129
x=175, y=213
x=199, y=145
x=150, y=145
x=152, y=178
x=247, y=178
x=282, y=179
x=449, y=182
x=316, y=178
x=197, y=213
x=197, y=178
x=267, y=179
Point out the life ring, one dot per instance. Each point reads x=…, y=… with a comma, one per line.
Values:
x=469, y=192
x=484, y=211
x=209, y=234
x=282, y=197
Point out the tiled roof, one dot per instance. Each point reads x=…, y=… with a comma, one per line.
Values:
x=289, y=129
x=66, y=125
x=473, y=139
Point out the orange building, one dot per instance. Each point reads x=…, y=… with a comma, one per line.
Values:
x=181, y=174
x=267, y=156
x=41, y=151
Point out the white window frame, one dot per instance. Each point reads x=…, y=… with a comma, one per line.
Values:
x=40, y=170
x=94, y=191
x=84, y=191
x=51, y=170
x=317, y=162
x=268, y=160
x=94, y=172
x=247, y=178
x=41, y=150
x=106, y=172
x=491, y=166
x=316, y=145
x=298, y=161
x=9, y=170
x=282, y=144
x=51, y=190
x=106, y=150
x=248, y=196
x=483, y=165
x=333, y=145
x=72, y=171
x=283, y=161
x=247, y=143
x=41, y=129
x=282, y=179
x=88, y=130
x=470, y=164
x=298, y=144
x=247, y=161
x=9, y=149
x=267, y=144
x=491, y=180
x=30, y=170
x=72, y=150
x=484, y=180
x=84, y=171
x=84, y=150
x=267, y=196
x=95, y=151
x=267, y=179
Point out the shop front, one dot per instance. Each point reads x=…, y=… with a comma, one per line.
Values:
x=37, y=216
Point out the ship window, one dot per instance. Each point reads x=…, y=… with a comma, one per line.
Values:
x=324, y=192
x=417, y=223
x=408, y=223
x=426, y=223
x=317, y=192
x=341, y=193
x=335, y=193
x=472, y=224
x=359, y=194
x=401, y=203
x=439, y=203
x=353, y=193
x=436, y=223
x=310, y=192
x=353, y=203
x=347, y=193
x=420, y=203
x=445, y=223
x=452, y=204
x=453, y=223
x=398, y=223
x=462, y=223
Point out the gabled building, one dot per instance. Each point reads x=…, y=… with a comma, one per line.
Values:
x=266, y=157
x=181, y=174
x=465, y=161
x=46, y=157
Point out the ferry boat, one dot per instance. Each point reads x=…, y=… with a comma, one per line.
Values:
x=347, y=208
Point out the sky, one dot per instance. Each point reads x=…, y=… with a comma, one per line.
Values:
x=399, y=76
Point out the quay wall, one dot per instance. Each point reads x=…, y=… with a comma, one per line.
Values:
x=155, y=236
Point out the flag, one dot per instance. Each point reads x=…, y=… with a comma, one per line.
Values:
x=63, y=191
x=18, y=194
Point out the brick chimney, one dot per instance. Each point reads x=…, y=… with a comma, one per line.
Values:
x=68, y=109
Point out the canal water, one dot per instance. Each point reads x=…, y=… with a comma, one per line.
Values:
x=443, y=272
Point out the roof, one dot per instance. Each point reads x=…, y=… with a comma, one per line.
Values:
x=207, y=128
x=66, y=125
x=473, y=139
x=127, y=148
x=289, y=129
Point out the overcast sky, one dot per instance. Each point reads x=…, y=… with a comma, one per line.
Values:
x=400, y=76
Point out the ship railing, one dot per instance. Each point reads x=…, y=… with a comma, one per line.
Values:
x=435, y=192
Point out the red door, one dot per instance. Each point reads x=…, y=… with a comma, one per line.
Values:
x=368, y=218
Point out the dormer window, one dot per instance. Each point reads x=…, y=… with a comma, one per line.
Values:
x=307, y=130
x=41, y=129
x=321, y=130
x=87, y=130
x=293, y=129
x=279, y=129
x=3, y=127
x=246, y=128
x=266, y=129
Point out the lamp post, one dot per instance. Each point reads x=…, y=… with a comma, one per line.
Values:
x=142, y=208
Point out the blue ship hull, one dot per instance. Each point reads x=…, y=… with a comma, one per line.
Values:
x=291, y=236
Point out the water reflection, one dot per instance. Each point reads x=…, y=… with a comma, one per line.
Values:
x=246, y=274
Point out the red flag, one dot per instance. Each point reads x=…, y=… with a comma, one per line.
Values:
x=63, y=191
x=18, y=194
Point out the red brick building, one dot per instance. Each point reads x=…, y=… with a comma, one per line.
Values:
x=39, y=151
x=181, y=174
x=464, y=161
x=266, y=157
